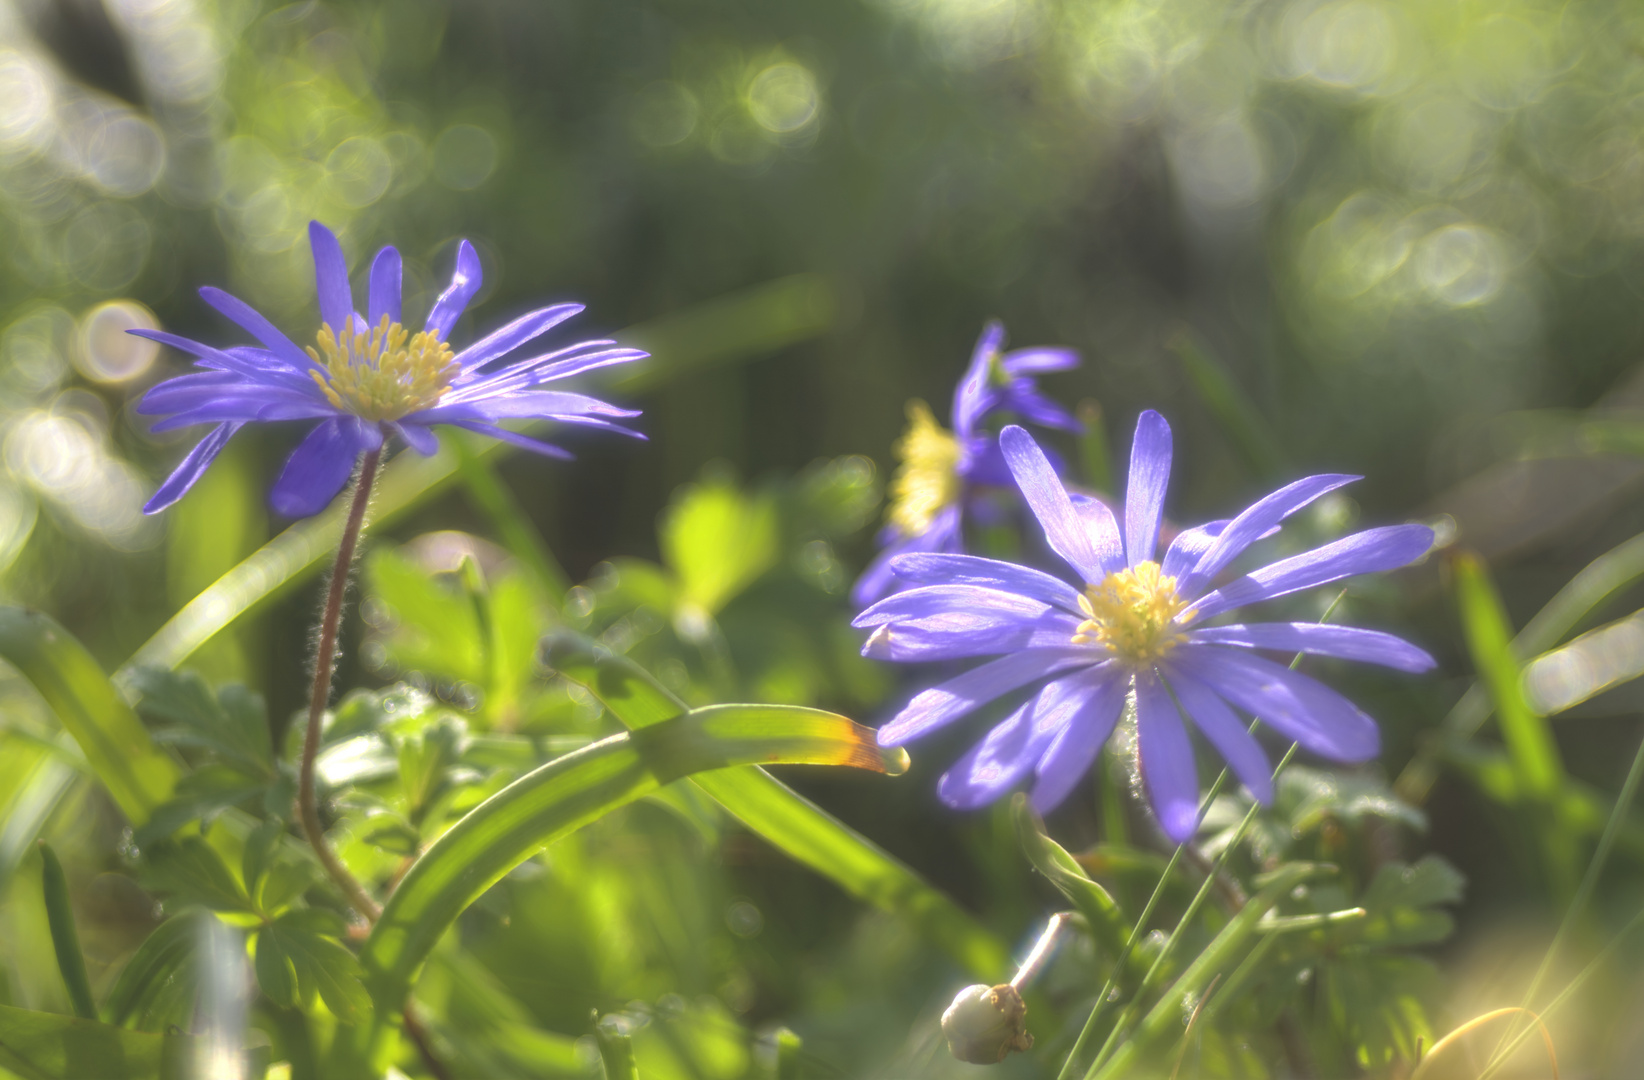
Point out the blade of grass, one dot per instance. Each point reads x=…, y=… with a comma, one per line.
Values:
x=65, y=939
x=1240, y=421
x=784, y=818
x=138, y=775
x=562, y=796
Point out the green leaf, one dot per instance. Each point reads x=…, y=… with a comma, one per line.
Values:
x=232, y=723
x=305, y=940
x=787, y=820
x=1400, y=902
x=572, y=791
x=191, y=869
x=718, y=541
x=1107, y=922
x=276, y=974
x=616, y=1047
x=199, y=796
x=65, y=939
x=1378, y=1005
x=138, y=775
x=50, y=1046
x=436, y=625
x=156, y=988
x=1489, y=638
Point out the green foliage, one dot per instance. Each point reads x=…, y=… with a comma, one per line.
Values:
x=45, y=1046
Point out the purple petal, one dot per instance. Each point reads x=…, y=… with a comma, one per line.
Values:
x=1294, y=705
x=1189, y=547
x=331, y=279
x=538, y=370
x=514, y=438
x=1103, y=530
x=1370, y=551
x=418, y=438
x=465, y=282
x=530, y=403
x=1227, y=734
x=971, y=398
x=945, y=599
x=192, y=468
x=1343, y=642
x=1145, y=490
x=525, y=328
x=267, y=407
x=1017, y=745
x=963, y=635
x=321, y=465
x=880, y=576
x=1254, y=523
x=1028, y=403
x=1037, y=361
x=944, y=703
x=234, y=360
x=1166, y=757
x=1065, y=530
x=936, y=569
x=386, y=271
x=252, y=322
x=1101, y=696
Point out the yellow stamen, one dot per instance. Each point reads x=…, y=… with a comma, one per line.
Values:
x=383, y=374
x=1132, y=613
x=928, y=480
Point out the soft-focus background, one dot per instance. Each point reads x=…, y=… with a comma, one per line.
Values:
x=1391, y=237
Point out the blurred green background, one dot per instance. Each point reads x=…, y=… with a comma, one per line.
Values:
x=1393, y=238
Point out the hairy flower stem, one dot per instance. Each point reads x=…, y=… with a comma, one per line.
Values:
x=325, y=661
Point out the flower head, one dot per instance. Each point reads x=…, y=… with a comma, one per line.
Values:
x=927, y=494
x=1136, y=625
x=366, y=378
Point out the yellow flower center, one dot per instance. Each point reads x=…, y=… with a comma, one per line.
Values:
x=1132, y=613
x=383, y=374
x=928, y=479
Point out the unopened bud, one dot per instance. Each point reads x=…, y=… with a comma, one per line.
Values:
x=985, y=1023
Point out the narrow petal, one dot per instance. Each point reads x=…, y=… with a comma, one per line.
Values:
x=946, y=702
x=1256, y=522
x=945, y=599
x=971, y=399
x=1101, y=699
x=964, y=635
x=514, y=438
x=252, y=322
x=1189, y=547
x=1227, y=733
x=418, y=438
x=1026, y=401
x=1168, y=772
x=1145, y=490
x=1342, y=642
x=330, y=278
x=1013, y=748
x=880, y=576
x=1037, y=361
x=320, y=466
x=1065, y=530
x=938, y=569
x=1297, y=707
x=465, y=282
x=529, y=403
x=1103, y=530
x=537, y=370
x=386, y=271
x=192, y=468
x=266, y=407
x=234, y=360
x=525, y=328
x=1370, y=551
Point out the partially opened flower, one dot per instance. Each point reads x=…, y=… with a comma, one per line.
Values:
x=1133, y=623
x=367, y=378
x=928, y=493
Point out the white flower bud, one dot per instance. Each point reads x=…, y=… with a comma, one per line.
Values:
x=985, y=1023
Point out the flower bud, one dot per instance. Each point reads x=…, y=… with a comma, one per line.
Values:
x=985, y=1023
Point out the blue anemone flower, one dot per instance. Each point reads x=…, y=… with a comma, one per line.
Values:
x=928, y=494
x=370, y=377
x=1135, y=625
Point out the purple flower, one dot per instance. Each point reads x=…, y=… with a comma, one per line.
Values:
x=928, y=494
x=1136, y=625
x=367, y=378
